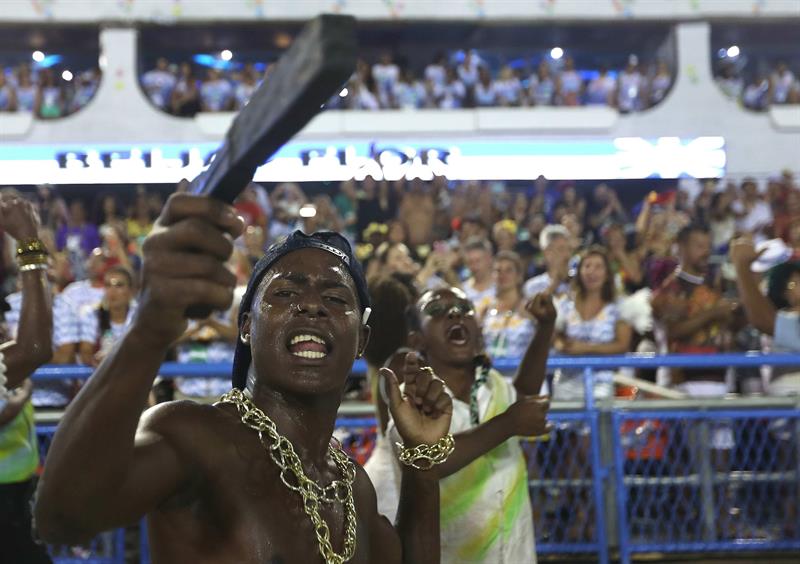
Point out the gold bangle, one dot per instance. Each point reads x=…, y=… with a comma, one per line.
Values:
x=25, y=260
x=30, y=247
x=425, y=457
x=30, y=267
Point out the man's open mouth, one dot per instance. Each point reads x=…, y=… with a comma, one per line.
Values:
x=306, y=345
x=458, y=335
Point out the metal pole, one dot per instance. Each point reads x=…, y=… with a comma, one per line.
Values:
x=702, y=448
x=620, y=489
x=599, y=472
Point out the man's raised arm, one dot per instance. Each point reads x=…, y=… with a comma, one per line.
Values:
x=100, y=471
x=422, y=414
x=33, y=346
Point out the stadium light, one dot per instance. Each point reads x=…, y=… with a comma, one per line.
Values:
x=344, y=93
x=226, y=55
x=307, y=211
x=66, y=75
x=37, y=56
x=733, y=51
x=556, y=53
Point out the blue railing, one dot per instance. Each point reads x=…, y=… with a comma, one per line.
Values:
x=625, y=477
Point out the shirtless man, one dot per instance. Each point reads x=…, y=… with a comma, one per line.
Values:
x=212, y=490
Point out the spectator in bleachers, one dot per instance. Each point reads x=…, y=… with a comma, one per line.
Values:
x=8, y=94
x=542, y=87
x=468, y=70
x=569, y=85
x=695, y=317
x=730, y=82
x=722, y=220
x=102, y=327
x=504, y=235
x=507, y=327
x=626, y=264
x=753, y=212
x=88, y=292
x=601, y=89
x=393, y=259
x=361, y=97
x=787, y=215
x=409, y=93
x=386, y=75
x=660, y=83
x=590, y=323
x=108, y=214
x=158, y=84
x=756, y=94
x=630, y=85
x=605, y=207
x=248, y=207
x=185, y=99
x=346, y=202
x=508, y=88
x=417, y=210
x=453, y=94
x=479, y=259
x=78, y=237
x=485, y=92
x=26, y=90
x=49, y=101
x=140, y=220
x=86, y=84
x=436, y=72
x=246, y=86
x=782, y=85
x=216, y=93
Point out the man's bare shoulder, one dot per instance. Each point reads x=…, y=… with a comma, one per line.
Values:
x=187, y=420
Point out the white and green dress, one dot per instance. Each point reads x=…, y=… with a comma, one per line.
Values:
x=485, y=507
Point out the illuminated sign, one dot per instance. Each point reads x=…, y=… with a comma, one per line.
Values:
x=629, y=157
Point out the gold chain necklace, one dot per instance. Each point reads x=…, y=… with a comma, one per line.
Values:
x=293, y=476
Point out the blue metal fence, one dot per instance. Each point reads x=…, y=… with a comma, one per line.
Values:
x=619, y=476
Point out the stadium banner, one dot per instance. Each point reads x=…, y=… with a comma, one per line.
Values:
x=315, y=161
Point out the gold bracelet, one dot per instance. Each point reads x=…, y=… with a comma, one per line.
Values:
x=30, y=267
x=430, y=455
x=28, y=259
x=30, y=247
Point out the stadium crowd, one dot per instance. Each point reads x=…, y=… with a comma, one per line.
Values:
x=463, y=80
x=45, y=93
x=759, y=90
x=625, y=278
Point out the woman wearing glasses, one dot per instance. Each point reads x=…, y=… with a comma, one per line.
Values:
x=102, y=327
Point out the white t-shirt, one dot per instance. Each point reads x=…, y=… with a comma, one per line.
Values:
x=216, y=94
x=782, y=85
x=436, y=74
x=159, y=84
x=757, y=218
x=508, y=91
x=600, y=90
x=485, y=95
x=630, y=86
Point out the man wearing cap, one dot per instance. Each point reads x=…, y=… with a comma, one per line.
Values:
x=255, y=477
